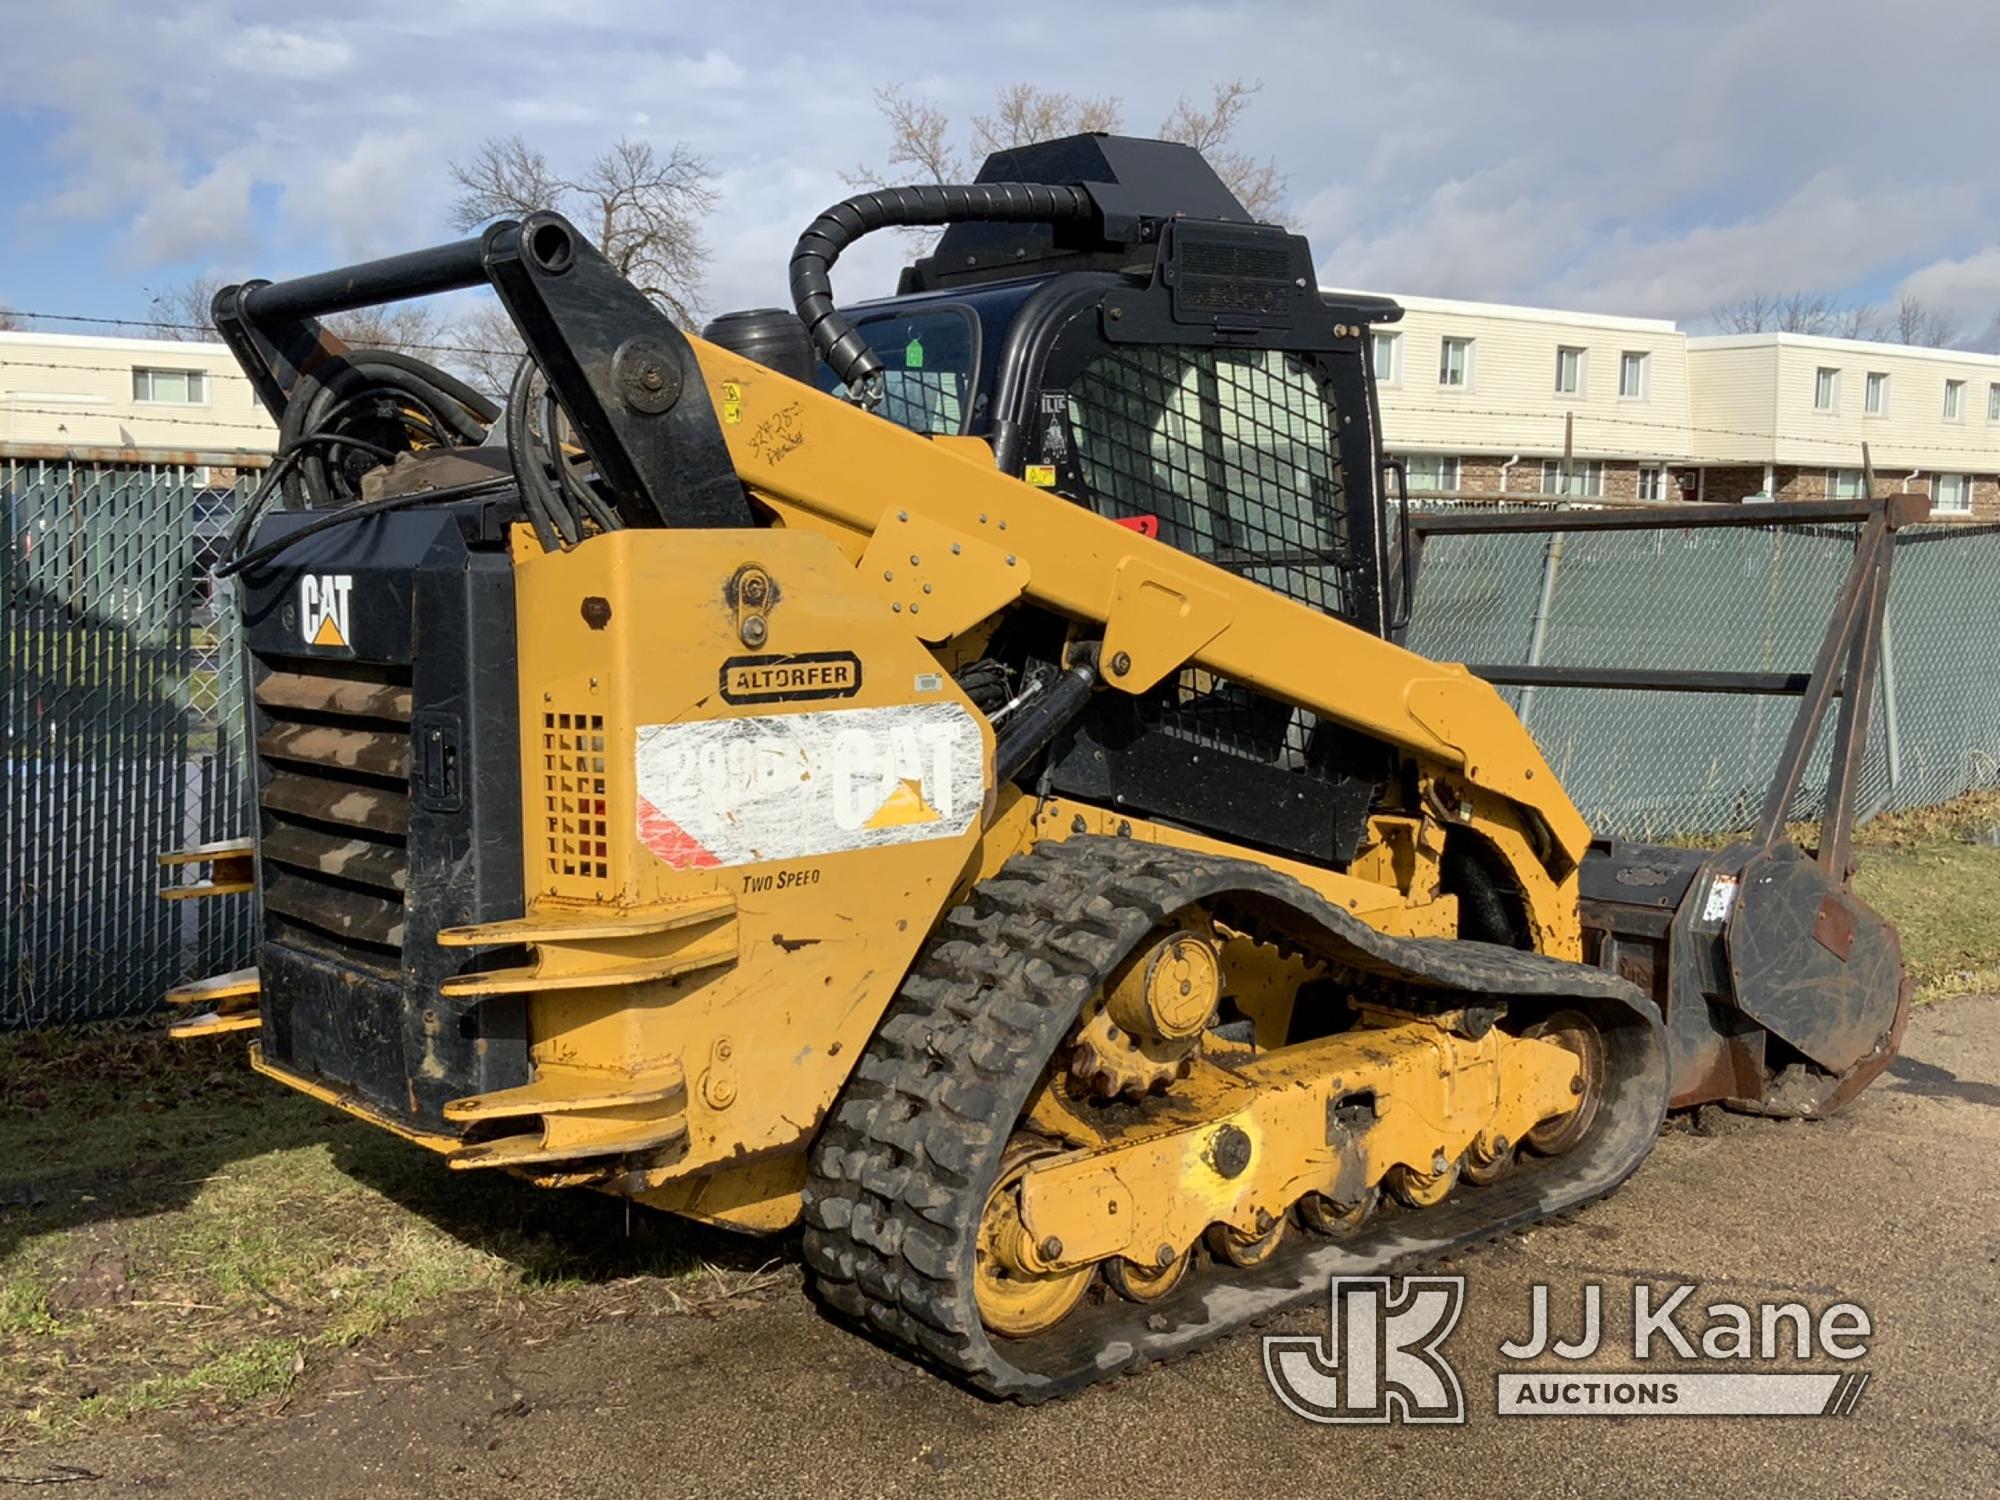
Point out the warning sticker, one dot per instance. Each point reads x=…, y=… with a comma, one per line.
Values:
x=1721, y=899
x=740, y=791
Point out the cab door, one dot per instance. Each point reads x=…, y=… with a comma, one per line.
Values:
x=1250, y=446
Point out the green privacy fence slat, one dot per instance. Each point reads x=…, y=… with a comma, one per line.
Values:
x=1650, y=765
x=121, y=700
x=118, y=737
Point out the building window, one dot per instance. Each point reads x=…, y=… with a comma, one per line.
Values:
x=1954, y=400
x=1826, y=389
x=1993, y=402
x=1633, y=370
x=175, y=387
x=1585, y=482
x=1433, y=471
x=1844, y=484
x=1455, y=363
x=1877, y=396
x=1652, y=483
x=1952, y=495
x=1388, y=359
x=1569, y=371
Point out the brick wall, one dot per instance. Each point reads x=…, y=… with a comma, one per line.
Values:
x=1985, y=494
x=1726, y=482
x=1479, y=478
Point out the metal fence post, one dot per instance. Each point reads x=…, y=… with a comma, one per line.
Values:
x=1551, y=568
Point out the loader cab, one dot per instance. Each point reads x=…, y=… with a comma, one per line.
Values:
x=1196, y=387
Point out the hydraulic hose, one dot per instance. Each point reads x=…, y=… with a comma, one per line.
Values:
x=834, y=338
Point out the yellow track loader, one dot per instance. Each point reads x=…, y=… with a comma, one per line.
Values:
x=940, y=771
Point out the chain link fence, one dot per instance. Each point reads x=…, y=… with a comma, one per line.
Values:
x=121, y=698
x=120, y=732
x=1653, y=765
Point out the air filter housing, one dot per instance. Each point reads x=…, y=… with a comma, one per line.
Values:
x=772, y=336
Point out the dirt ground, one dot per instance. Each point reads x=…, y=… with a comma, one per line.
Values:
x=1891, y=1206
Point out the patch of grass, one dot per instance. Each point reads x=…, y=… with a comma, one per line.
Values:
x=176, y=1230
x=24, y=1307
x=1958, y=821
x=1944, y=897
x=1928, y=871
x=226, y=1376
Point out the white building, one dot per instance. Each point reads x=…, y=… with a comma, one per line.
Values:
x=1483, y=400
x=128, y=402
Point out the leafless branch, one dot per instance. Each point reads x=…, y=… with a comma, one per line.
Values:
x=1258, y=186
x=488, y=348
x=1024, y=113
x=921, y=145
x=407, y=327
x=183, y=309
x=1916, y=322
x=646, y=209
x=505, y=179
x=1799, y=312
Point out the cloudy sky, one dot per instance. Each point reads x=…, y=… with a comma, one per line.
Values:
x=1641, y=158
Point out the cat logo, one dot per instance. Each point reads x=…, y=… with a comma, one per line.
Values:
x=323, y=609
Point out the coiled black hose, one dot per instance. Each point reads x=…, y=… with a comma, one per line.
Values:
x=558, y=501
x=373, y=394
x=372, y=404
x=834, y=338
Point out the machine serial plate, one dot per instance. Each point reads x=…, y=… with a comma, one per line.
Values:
x=741, y=791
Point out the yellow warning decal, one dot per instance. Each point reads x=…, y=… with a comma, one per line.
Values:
x=1041, y=476
x=732, y=402
x=903, y=807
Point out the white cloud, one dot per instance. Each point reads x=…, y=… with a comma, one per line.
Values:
x=368, y=199
x=271, y=50
x=1968, y=288
x=1826, y=236
x=1652, y=160
x=181, y=220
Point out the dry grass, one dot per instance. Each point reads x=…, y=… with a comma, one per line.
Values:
x=1933, y=873
x=175, y=1231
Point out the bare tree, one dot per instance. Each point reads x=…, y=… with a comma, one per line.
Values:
x=1798, y=312
x=487, y=348
x=921, y=145
x=407, y=327
x=1024, y=114
x=1860, y=321
x=1916, y=322
x=182, y=311
x=920, y=148
x=11, y=321
x=643, y=209
x=1258, y=186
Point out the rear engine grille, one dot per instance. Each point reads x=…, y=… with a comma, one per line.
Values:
x=576, y=848
x=334, y=744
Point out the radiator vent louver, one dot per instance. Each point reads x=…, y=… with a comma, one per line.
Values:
x=333, y=744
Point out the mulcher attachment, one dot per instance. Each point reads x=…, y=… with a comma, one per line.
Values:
x=902, y=1172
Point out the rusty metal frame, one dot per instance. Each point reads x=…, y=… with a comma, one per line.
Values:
x=1845, y=666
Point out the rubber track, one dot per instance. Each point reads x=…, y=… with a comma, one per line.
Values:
x=899, y=1176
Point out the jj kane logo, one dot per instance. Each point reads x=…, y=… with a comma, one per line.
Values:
x=1383, y=1359
x=323, y=619
x=1382, y=1362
